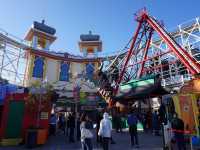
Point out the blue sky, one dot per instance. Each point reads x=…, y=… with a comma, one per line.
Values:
x=113, y=20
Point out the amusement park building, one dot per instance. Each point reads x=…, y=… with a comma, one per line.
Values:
x=63, y=70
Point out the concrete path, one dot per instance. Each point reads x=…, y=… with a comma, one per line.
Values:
x=59, y=142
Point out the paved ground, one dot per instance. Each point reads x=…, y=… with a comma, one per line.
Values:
x=147, y=142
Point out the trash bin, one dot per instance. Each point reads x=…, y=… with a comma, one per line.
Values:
x=41, y=136
x=31, y=138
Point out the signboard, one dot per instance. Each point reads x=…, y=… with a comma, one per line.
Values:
x=187, y=111
x=98, y=98
x=82, y=97
x=76, y=93
x=88, y=107
x=44, y=115
x=57, y=109
x=92, y=97
x=192, y=86
x=68, y=109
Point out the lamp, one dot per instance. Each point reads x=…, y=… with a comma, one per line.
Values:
x=41, y=91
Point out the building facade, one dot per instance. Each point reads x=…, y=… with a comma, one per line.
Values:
x=63, y=70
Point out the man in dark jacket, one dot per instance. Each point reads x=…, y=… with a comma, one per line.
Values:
x=78, y=131
x=178, y=129
x=132, y=122
x=71, y=127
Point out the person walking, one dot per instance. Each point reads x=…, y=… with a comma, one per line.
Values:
x=132, y=123
x=144, y=122
x=67, y=124
x=105, y=130
x=86, y=134
x=52, y=124
x=71, y=127
x=117, y=122
x=120, y=122
x=149, y=121
x=78, y=131
x=61, y=122
x=155, y=123
x=178, y=129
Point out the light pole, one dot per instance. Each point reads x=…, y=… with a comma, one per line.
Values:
x=40, y=102
x=39, y=108
x=76, y=94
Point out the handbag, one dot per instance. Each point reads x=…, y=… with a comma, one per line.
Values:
x=85, y=133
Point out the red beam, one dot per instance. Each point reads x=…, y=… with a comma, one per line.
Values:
x=130, y=51
x=134, y=53
x=57, y=57
x=189, y=62
x=145, y=54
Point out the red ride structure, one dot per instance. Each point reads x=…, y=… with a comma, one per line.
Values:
x=135, y=63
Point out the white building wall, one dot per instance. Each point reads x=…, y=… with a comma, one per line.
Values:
x=52, y=70
x=77, y=68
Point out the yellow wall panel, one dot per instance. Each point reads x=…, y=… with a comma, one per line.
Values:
x=177, y=105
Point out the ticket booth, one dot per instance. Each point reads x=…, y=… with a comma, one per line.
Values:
x=187, y=105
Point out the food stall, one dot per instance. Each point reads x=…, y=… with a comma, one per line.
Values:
x=187, y=106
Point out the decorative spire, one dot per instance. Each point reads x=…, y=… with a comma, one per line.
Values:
x=43, y=21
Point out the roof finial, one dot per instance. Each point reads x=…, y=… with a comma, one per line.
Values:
x=43, y=21
x=90, y=32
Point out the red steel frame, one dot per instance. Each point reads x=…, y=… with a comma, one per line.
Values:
x=181, y=53
x=130, y=52
x=146, y=26
x=145, y=54
x=185, y=58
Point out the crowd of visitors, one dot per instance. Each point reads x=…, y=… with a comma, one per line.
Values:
x=85, y=128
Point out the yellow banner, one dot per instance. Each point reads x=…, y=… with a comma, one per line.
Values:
x=176, y=104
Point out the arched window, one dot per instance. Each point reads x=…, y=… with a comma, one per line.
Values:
x=64, y=71
x=90, y=70
x=38, y=67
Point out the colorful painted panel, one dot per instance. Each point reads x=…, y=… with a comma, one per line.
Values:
x=187, y=111
x=90, y=70
x=15, y=119
x=38, y=67
x=83, y=97
x=64, y=71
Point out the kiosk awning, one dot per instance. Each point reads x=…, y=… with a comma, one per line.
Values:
x=140, y=89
